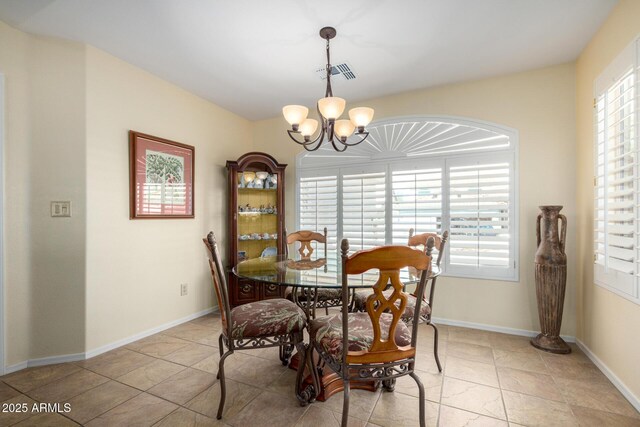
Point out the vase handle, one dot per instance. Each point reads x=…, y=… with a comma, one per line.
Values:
x=563, y=233
x=538, y=228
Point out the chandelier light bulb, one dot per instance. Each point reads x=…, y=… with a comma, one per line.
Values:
x=331, y=107
x=344, y=129
x=295, y=114
x=308, y=127
x=361, y=117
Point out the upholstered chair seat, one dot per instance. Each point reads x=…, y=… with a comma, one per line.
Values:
x=327, y=330
x=266, y=318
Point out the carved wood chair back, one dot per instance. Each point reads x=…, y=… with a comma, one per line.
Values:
x=388, y=260
x=306, y=238
x=439, y=242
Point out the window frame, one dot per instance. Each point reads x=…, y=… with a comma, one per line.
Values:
x=391, y=163
x=611, y=279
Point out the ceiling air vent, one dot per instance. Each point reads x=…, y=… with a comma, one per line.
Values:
x=343, y=70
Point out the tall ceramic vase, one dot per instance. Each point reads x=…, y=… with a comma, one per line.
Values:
x=551, y=279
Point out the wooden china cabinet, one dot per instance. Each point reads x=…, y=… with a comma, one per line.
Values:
x=256, y=221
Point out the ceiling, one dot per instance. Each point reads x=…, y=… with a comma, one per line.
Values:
x=254, y=56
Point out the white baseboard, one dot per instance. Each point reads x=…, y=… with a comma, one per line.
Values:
x=17, y=367
x=92, y=353
x=103, y=349
x=493, y=328
x=44, y=361
x=621, y=386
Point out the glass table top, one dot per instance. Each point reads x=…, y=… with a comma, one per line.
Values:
x=315, y=272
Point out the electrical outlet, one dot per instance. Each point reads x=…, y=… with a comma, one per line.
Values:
x=184, y=289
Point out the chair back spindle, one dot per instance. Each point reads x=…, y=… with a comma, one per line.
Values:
x=219, y=280
x=429, y=241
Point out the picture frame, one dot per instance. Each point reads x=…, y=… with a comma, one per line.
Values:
x=161, y=178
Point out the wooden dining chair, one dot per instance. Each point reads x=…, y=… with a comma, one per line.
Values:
x=270, y=323
x=426, y=241
x=429, y=241
x=315, y=297
x=305, y=238
x=379, y=345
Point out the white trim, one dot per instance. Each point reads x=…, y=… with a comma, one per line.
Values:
x=46, y=361
x=493, y=328
x=103, y=349
x=617, y=382
x=17, y=367
x=2, y=308
x=95, y=352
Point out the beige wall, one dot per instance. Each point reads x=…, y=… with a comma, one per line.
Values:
x=44, y=161
x=57, y=109
x=76, y=284
x=609, y=324
x=14, y=64
x=540, y=105
x=135, y=267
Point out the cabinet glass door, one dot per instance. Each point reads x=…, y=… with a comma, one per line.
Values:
x=257, y=214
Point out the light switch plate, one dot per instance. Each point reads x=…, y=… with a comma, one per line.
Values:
x=60, y=209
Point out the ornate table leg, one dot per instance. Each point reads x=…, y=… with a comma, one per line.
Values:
x=306, y=393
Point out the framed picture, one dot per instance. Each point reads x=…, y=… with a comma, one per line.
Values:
x=161, y=177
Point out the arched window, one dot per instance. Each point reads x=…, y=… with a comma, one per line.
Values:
x=426, y=173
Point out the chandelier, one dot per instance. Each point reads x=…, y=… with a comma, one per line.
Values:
x=330, y=109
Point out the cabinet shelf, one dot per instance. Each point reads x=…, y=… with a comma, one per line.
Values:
x=256, y=213
x=256, y=190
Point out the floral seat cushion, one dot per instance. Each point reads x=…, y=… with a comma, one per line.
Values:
x=266, y=318
x=425, y=308
x=327, y=331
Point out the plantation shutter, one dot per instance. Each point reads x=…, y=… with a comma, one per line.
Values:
x=616, y=167
x=480, y=225
x=364, y=214
x=416, y=202
x=318, y=208
x=363, y=210
x=430, y=174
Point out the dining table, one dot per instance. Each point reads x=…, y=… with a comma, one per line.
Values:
x=303, y=278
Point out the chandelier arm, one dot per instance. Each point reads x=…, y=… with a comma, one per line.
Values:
x=346, y=144
x=314, y=148
x=335, y=147
x=319, y=139
x=306, y=145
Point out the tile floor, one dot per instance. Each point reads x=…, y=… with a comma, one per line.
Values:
x=169, y=379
